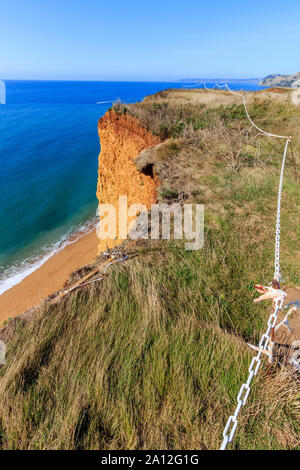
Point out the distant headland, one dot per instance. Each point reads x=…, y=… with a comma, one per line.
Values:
x=291, y=81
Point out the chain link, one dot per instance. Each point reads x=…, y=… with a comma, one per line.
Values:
x=245, y=388
x=277, y=237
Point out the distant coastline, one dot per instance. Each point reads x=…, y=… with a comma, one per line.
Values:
x=290, y=81
x=222, y=80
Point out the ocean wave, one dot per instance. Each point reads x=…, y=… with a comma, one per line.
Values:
x=103, y=102
x=15, y=274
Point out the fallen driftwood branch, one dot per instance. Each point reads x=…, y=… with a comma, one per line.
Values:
x=82, y=281
x=115, y=257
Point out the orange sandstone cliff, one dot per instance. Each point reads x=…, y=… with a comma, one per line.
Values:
x=122, y=139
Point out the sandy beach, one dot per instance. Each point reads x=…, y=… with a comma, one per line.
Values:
x=49, y=278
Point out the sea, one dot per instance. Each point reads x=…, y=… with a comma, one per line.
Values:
x=49, y=149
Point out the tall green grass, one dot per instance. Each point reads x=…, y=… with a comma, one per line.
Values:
x=151, y=358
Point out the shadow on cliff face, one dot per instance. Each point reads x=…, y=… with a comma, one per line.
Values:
x=148, y=170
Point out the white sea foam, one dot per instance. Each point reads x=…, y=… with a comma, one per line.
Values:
x=103, y=102
x=15, y=274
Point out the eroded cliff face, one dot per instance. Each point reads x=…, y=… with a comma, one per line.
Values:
x=122, y=139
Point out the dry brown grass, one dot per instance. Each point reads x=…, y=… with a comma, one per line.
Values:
x=216, y=98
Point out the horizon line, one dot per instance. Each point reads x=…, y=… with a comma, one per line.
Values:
x=132, y=80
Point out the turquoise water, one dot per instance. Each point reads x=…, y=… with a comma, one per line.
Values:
x=49, y=150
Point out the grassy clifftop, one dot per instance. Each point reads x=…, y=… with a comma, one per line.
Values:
x=154, y=355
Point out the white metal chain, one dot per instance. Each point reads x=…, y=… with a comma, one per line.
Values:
x=277, y=237
x=248, y=115
x=242, y=398
x=244, y=392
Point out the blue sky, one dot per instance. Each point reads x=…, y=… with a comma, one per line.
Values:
x=147, y=40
